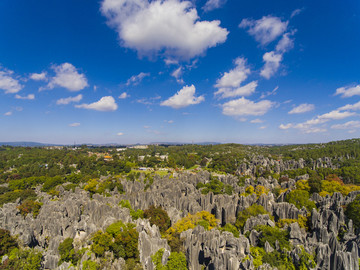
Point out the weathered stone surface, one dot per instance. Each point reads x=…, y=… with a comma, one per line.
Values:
x=214, y=249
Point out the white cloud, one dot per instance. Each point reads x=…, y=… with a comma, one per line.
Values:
x=263, y=127
x=183, y=98
x=257, y=121
x=242, y=106
x=67, y=77
x=120, y=134
x=229, y=84
x=177, y=73
x=65, y=101
x=266, y=29
x=8, y=113
x=309, y=130
x=286, y=43
x=296, y=12
x=269, y=93
x=29, y=97
x=272, y=63
x=169, y=121
x=74, y=125
x=347, y=125
x=302, y=108
x=234, y=77
x=38, y=76
x=104, y=104
x=336, y=115
x=8, y=83
x=309, y=126
x=348, y=91
x=136, y=79
x=244, y=91
x=350, y=107
x=213, y=4
x=124, y=95
x=287, y=126
x=168, y=27
x=171, y=62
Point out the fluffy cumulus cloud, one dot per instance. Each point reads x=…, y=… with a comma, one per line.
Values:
x=104, y=104
x=8, y=82
x=348, y=125
x=136, y=79
x=213, y=4
x=29, y=97
x=169, y=27
x=229, y=85
x=74, y=124
x=348, y=91
x=266, y=29
x=302, y=108
x=183, y=98
x=286, y=43
x=65, y=101
x=38, y=76
x=272, y=63
x=243, y=107
x=67, y=77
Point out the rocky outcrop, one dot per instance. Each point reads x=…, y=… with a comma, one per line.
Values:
x=214, y=249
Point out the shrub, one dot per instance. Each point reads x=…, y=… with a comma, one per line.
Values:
x=300, y=198
x=29, y=206
x=12, y=196
x=101, y=243
x=90, y=265
x=186, y=223
x=230, y=228
x=7, y=242
x=315, y=184
x=215, y=186
x=25, y=259
x=176, y=261
x=134, y=214
x=159, y=217
x=67, y=252
x=259, y=190
x=251, y=211
x=125, y=242
x=273, y=234
x=51, y=183
x=249, y=190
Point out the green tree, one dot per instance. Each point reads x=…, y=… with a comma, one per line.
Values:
x=7, y=242
x=353, y=211
x=300, y=198
x=67, y=252
x=159, y=217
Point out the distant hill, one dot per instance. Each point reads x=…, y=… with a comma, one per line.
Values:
x=26, y=144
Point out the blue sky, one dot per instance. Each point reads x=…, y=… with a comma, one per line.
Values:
x=140, y=71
